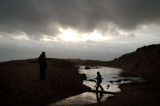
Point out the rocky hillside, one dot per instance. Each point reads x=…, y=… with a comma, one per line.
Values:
x=144, y=61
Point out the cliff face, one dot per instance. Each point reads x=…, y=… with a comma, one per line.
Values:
x=145, y=61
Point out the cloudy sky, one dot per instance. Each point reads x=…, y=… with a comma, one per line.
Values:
x=86, y=29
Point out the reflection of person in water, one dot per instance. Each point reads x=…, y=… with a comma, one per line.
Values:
x=99, y=96
x=43, y=65
x=99, y=81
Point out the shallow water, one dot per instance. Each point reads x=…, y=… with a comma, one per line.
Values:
x=87, y=97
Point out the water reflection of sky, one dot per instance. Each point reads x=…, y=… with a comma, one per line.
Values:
x=81, y=99
x=87, y=97
x=107, y=73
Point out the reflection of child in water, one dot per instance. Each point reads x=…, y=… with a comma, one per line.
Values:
x=99, y=97
x=99, y=81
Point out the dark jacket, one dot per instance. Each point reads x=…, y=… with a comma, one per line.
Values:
x=42, y=61
x=99, y=78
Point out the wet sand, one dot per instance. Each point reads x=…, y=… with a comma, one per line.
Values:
x=20, y=84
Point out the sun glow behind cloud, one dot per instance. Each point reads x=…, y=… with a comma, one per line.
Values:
x=72, y=35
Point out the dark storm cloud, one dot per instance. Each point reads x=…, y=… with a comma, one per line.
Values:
x=38, y=17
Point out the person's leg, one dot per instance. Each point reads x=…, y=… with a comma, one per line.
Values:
x=41, y=74
x=97, y=86
x=101, y=87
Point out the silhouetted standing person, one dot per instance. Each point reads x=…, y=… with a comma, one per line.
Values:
x=99, y=81
x=43, y=65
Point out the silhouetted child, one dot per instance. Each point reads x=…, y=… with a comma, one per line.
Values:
x=108, y=86
x=99, y=81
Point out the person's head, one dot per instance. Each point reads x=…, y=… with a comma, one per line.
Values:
x=43, y=53
x=98, y=73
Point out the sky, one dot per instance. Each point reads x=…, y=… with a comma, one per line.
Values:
x=83, y=29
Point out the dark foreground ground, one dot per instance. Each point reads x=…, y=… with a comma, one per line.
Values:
x=20, y=84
